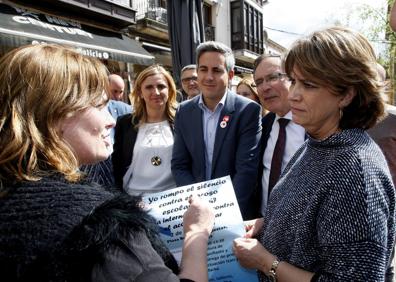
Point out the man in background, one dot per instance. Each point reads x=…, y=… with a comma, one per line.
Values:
x=189, y=77
x=281, y=136
x=117, y=87
x=384, y=132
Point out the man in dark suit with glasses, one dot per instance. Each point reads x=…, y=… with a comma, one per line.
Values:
x=281, y=137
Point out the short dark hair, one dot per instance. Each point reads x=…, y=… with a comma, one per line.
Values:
x=188, y=67
x=214, y=46
x=261, y=58
x=342, y=60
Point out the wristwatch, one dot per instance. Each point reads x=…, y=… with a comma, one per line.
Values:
x=272, y=272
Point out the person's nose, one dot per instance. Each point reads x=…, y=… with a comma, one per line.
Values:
x=264, y=87
x=209, y=75
x=294, y=93
x=157, y=91
x=110, y=121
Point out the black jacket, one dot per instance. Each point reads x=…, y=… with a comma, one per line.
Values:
x=124, y=141
x=52, y=230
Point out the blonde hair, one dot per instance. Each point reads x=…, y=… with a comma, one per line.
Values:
x=342, y=59
x=139, y=105
x=249, y=82
x=40, y=85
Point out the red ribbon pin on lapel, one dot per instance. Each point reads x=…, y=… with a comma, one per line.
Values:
x=223, y=123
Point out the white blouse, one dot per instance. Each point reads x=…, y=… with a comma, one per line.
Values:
x=150, y=169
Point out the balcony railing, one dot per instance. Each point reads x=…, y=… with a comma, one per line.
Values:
x=151, y=10
x=260, y=2
x=126, y=3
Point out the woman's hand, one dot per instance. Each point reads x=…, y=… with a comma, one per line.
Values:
x=197, y=224
x=253, y=227
x=199, y=217
x=249, y=252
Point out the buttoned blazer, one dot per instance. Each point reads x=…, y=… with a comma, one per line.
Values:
x=236, y=147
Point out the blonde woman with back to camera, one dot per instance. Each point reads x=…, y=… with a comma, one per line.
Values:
x=55, y=225
x=331, y=215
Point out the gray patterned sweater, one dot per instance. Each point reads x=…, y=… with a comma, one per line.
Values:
x=333, y=210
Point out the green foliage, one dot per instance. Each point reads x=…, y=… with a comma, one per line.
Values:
x=371, y=21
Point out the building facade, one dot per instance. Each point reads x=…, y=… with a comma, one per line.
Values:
x=128, y=35
x=96, y=28
x=237, y=23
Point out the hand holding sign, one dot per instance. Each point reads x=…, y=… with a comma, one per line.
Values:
x=168, y=207
x=199, y=217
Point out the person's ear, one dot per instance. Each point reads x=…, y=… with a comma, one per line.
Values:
x=347, y=99
x=230, y=75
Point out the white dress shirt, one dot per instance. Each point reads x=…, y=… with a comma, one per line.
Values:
x=210, y=122
x=295, y=136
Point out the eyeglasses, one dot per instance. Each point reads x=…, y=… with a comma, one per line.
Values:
x=271, y=78
x=188, y=79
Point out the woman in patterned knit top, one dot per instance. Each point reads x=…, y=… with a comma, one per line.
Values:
x=331, y=216
x=55, y=226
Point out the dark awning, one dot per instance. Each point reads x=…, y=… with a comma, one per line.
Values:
x=21, y=27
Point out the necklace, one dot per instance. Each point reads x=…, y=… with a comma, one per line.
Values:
x=154, y=138
x=156, y=161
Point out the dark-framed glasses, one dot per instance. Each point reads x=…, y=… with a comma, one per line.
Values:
x=271, y=78
x=188, y=79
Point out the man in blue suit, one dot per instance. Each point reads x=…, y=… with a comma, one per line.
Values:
x=217, y=133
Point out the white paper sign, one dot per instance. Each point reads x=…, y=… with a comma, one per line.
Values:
x=168, y=208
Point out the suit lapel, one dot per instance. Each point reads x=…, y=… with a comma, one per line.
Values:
x=197, y=125
x=267, y=122
x=223, y=125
